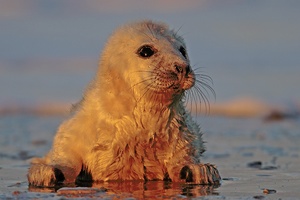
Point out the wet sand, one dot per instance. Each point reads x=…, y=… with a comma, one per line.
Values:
x=256, y=159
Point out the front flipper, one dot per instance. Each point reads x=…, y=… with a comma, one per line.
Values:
x=43, y=175
x=206, y=174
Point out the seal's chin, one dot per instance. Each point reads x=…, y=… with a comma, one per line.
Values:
x=188, y=82
x=177, y=88
x=167, y=84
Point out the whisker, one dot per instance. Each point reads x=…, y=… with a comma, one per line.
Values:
x=206, y=86
x=205, y=99
x=144, y=33
x=151, y=31
x=143, y=81
x=199, y=98
x=151, y=76
x=146, y=71
x=200, y=92
x=205, y=78
x=147, y=90
x=194, y=95
x=188, y=100
x=177, y=31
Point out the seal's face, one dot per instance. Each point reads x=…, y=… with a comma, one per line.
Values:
x=161, y=61
x=151, y=61
x=167, y=74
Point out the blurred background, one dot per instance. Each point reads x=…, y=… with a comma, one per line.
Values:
x=49, y=49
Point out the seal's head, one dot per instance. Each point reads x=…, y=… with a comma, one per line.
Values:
x=151, y=59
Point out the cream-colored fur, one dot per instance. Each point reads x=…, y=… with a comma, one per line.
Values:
x=131, y=123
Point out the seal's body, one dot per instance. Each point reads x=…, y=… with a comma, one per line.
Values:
x=131, y=123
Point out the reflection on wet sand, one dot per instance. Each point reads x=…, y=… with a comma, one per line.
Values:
x=135, y=189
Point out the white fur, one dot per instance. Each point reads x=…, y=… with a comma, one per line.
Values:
x=128, y=125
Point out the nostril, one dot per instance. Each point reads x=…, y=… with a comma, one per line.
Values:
x=188, y=70
x=178, y=68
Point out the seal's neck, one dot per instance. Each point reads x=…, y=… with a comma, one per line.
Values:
x=157, y=113
x=151, y=100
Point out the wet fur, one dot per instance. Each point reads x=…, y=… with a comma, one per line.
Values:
x=132, y=123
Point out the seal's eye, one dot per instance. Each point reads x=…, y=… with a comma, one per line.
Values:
x=146, y=51
x=182, y=51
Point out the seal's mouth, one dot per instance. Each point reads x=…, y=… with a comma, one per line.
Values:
x=185, y=81
x=167, y=80
x=180, y=84
x=189, y=81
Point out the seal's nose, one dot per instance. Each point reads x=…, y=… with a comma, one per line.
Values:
x=178, y=68
x=186, y=69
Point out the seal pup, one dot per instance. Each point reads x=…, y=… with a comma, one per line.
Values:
x=131, y=123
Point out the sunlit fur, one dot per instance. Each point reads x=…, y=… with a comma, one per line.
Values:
x=132, y=123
